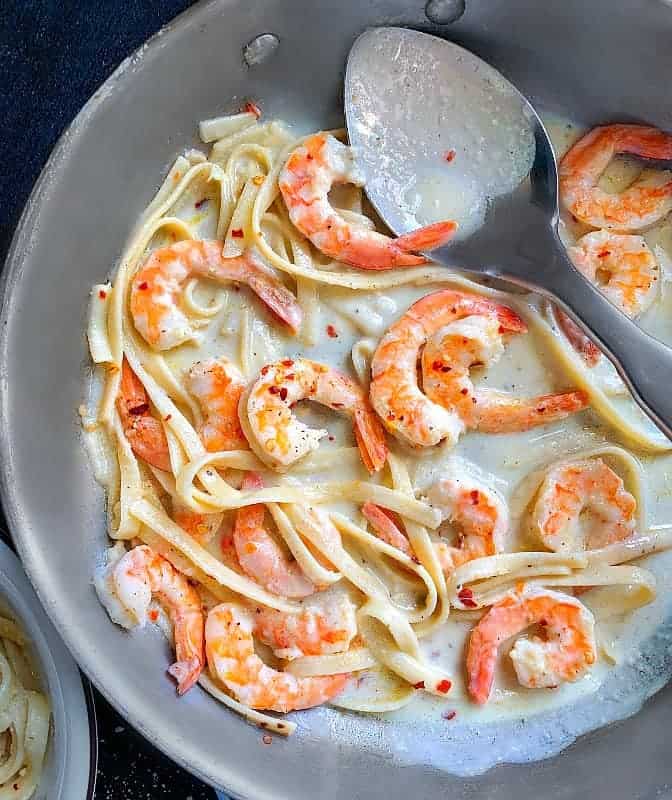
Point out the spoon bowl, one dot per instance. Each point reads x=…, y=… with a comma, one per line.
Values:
x=441, y=134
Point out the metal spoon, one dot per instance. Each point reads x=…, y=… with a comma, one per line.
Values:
x=414, y=101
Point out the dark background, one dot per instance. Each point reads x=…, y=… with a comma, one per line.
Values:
x=53, y=55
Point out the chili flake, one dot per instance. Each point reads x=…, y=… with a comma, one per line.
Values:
x=419, y=685
x=449, y=715
x=237, y=233
x=332, y=332
x=449, y=155
x=142, y=286
x=444, y=686
x=201, y=202
x=252, y=108
x=102, y=294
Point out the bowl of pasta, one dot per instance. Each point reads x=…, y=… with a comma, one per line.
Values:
x=47, y=741
x=318, y=516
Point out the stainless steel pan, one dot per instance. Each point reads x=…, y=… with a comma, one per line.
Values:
x=594, y=61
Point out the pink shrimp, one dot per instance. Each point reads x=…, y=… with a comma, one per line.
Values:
x=158, y=285
x=259, y=554
x=230, y=652
x=218, y=385
x=565, y=653
x=280, y=439
x=640, y=205
x=141, y=573
x=457, y=331
x=310, y=172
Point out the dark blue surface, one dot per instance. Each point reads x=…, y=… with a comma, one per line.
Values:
x=53, y=55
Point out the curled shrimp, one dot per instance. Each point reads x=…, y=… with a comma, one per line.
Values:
x=280, y=439
x=583, y=505
x=141, y=573
x=308, y=175
x=144, y=432
x=217, y=383
x=451, y=332
x=259, y=554
x=157, y=286
x=480, y=514
x=231, y=658
x=642, y=204
x=564, y=654
x=624, y=269
x=320, y=629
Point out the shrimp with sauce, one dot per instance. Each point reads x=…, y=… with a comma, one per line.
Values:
x=450, y=332
x=642, y=204
x=280, y=439
x=583, y=505
x=260, y=556
x=320, y=629
x=311, y=170
x=567, y=650
x=624, y=269
x=218, y=384
x=231, y=658
x=157, y=287
x=141, y=573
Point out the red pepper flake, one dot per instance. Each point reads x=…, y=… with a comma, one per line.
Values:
x=466, y=597
x=390, y=416
x=153, y=615
x=283, y=393
x=102, y=294
x=264, y=370
x=142, y=286
x=604, y=253
x=331, y=438
x=419, y=685
x=541, y=409
x=449, y=155
x=337, y=405
x=449, y=715
x=446, y=368
x=287, y=362
x=237, y=233
x=290, y=376
x=142, y=408
x=332, y=332
x=474, y=496
x=464, y=391
x=267, y=738
x=437, y=364
x=274, y=389
x=444, y=686
x=168, y=417
x=252, y=108
x=201, y=202
x=309, y=157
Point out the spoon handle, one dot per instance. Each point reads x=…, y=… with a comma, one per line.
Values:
x=643, y=362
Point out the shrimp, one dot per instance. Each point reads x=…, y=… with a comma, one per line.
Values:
x=478, y=511
x=144, y=432
x=308, y=175
x=218, y=384
x=231, y=658
x=583, y=505
x=141, y=573
x=157, y=286
x=259, y=554
x=457, y=331
x=280, y=439
x=564, y=654
x=317, y=630
x=624, y=269
x=641, y=205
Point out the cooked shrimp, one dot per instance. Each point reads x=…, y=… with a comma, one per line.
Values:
x=641, y=205
x=315, y=631
x=386, y=528
x=305, y=181
x=280, y=439
x=142, y=573
x=457, y=331
x=578, y=339
x=259, y=554
x=144, y=432
x=583, y=505
x=480, y=514
x=564, y=654
x=230, y=651
x=158, y=285
x=201, y=527
x=218, y=384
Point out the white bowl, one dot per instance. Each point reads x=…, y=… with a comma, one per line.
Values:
x=70, y=767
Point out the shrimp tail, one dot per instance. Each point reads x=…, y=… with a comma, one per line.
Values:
x=370, y=438
x=278, y=299
x=583, y=345
x=428, y=238
x=501, y=413
x=186, y=673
